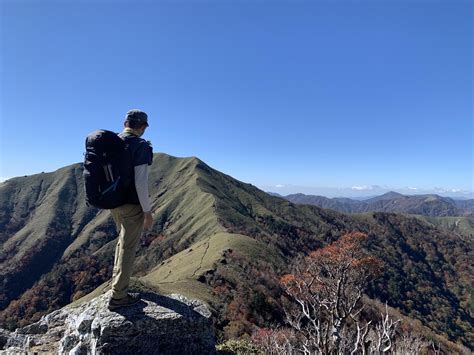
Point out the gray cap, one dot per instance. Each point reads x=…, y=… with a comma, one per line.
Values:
x=137, y=116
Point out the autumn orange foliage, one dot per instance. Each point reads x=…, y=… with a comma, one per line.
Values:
x=341, y=259
x=325, y=290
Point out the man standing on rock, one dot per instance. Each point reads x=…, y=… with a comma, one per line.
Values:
x=134, y=216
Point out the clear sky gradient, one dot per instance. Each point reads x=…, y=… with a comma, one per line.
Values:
x=288, y=93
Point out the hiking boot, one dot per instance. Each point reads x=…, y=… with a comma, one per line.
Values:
x=129, y=300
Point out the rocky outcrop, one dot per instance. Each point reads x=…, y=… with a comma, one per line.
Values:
x=156, y=325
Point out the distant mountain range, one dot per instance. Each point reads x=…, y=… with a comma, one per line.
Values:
x=427, y=205
x=219, y=240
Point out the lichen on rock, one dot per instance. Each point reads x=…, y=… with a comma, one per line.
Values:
x=157, y=324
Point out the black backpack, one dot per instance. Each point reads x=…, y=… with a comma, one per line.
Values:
x=107, y=166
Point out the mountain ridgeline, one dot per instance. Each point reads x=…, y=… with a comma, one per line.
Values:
x=444, y=212
x=220, y=240
x=426, y=205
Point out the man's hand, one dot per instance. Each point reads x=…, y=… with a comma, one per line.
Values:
x=147, y=221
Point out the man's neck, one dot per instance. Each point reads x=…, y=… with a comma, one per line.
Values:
x=135, y=132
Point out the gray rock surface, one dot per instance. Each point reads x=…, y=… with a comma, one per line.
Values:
x=156, y=325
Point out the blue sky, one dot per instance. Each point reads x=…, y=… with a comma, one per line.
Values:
x=301, y=94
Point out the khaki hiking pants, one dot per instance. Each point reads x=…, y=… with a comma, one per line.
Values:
x=129, y=221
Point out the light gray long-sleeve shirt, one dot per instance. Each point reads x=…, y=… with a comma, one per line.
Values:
x=141, y=185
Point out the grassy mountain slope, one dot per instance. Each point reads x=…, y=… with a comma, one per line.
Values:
x=183, y=272
x=461, y=225
x=218, y=239
x=40, y=215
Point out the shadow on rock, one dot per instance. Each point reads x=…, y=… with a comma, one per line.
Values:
x=173, y=304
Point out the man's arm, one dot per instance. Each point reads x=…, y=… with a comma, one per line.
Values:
x=141, y=185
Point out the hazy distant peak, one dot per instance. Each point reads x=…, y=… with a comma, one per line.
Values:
x=386, y=196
